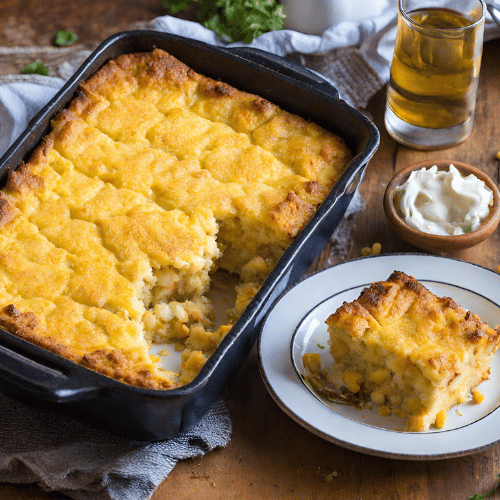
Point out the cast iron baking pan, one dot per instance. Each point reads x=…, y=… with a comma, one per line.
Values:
x=40, y=377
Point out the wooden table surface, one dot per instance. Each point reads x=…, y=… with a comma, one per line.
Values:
x=270, y=456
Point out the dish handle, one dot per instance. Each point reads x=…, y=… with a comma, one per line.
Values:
x=285, y=67
x=30, y=377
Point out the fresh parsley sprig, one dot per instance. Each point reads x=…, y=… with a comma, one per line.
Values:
x=175, y=6
x=64, y=38
x=482, y=497
x=234, y=20
x=36, y=68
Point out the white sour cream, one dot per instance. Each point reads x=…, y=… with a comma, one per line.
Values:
x=445, y=203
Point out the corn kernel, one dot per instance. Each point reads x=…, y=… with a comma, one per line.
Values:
x=379, y=376
x=498, y=269
x=312, y=361
x=373, y=250
x=498, y=155
x=352, y=380
x=384, y=411
x=400, y=413
x=395, y=399
x=413, y=405
x=376, y=248
x=377, y=397
x=440, y=419
x=478, y=396
x=182, y=331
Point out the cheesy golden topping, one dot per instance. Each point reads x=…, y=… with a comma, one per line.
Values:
x=150, y=180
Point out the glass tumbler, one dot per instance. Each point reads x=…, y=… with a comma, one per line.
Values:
x=431, y=95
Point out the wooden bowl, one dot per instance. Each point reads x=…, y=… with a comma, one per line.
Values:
x=434, y=242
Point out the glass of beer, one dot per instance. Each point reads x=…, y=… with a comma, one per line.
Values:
x=431, y=95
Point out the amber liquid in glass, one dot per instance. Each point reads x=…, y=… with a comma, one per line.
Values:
x=434, y=76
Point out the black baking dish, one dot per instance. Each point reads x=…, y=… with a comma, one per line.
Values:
x=41, y=377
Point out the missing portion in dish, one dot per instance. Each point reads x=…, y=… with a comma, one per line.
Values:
x=409, y=352
x=151, y=180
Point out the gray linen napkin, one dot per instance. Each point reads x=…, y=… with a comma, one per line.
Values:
x=85, y=463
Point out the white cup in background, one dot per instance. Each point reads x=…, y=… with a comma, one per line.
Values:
x=315, y=16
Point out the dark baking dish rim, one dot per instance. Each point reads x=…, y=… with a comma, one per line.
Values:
x=66, y=381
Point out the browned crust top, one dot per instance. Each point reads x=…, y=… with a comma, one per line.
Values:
x=25, y=325
x=380, y=296
x=22, y=324
x=136, y=70
x=23, y=180
x=7, y=213
x=213, y=88
x=292, y=213
x=157, y=65
x=111, y=363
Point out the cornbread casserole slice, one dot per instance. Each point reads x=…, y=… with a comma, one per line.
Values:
x=411, y=352
x=152, y=179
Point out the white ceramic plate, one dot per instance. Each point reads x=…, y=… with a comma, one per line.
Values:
x=295, y=325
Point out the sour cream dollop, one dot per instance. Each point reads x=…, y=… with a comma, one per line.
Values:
x=445, y=203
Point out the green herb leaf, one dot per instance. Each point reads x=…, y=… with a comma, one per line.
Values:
x=214, y=23
x=64, y=38
x=36, y=68
x=234, y=20
x=174, y=6
x=482, y=497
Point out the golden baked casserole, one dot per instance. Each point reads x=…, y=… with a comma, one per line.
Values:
x=410, y=352
x=152, y=179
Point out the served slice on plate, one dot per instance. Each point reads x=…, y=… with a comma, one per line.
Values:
x=410, y=352
x=296, y=325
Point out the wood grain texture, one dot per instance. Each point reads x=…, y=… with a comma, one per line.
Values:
x=270, y=456
x=31, y=22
